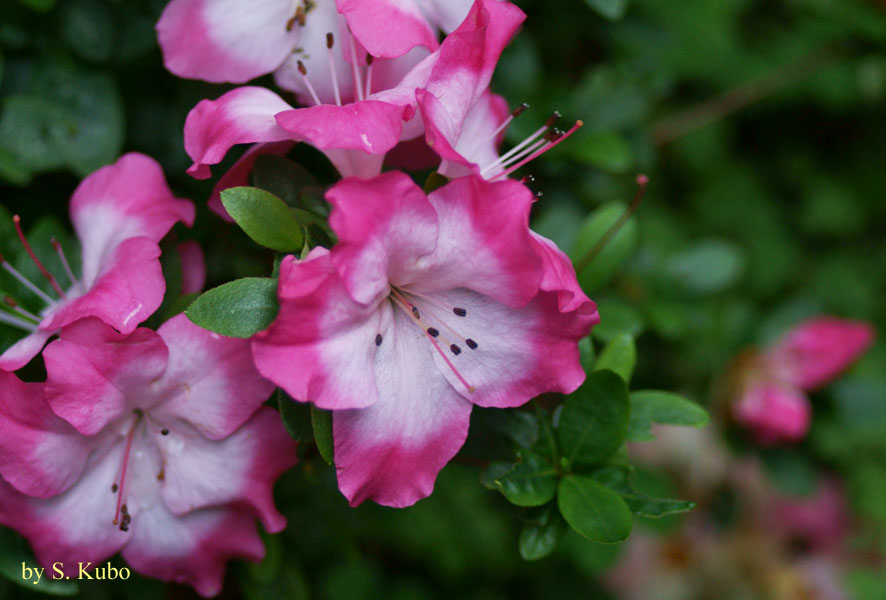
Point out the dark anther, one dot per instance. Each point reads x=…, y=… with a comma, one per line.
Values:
x=378, y=339
x=164, y=431
x=329, y=40
x=114, y=488
x=433, y=332
x=9, y=301
x=416, y=313
x=124, y=510
x=460, y=311
x=455, y=349
x=555, y=116
x=471, y=344
x=369, y=58
x=520, y=110
x=301, y=68
x=161, y=475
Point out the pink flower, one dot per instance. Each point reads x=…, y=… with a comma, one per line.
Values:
x=821, y=520
x=361, y=116
x=120, y=213
x=150, y=444
x=772, y=403
x=427, y=305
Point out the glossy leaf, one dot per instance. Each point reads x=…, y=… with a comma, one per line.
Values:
x=594, y=420
x=240, y=308
x=593, y=510
x=531, y=482
x=264, y=217
x=619, y=356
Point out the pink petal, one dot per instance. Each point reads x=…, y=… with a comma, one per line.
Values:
x=238, y=470
x=241, y=116
x=773, y=412
x=127, y=199
x=20, y=353
x=445, y=14
x=392, y=451
x=559, y=276
x=126, y=291
x=476, y=143
x=194, y=548
x=211, y=381
x=239, y=174
x=225, y=40
x=322, y=330
x=193, y=267
x=372, y=22
x=40, y=454
x=819, y=349
x=96, y=375
x=383, y=225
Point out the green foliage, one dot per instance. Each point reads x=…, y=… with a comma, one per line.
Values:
x=239, y=308
x=541, y=532
x=264, y=217
x=321, y=423
x=530, y=482
x=619, y=356
x=593, y=510
x=649, y=406
x=607, y=262
x=594, y=419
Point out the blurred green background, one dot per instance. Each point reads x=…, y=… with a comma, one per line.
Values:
x=761, y=125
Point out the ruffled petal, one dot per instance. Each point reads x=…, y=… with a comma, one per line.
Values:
x=385, y=226
x=241, y=116
x=211, y=381
x=392, y=451
x=476, y=143
x=40, y=454
x=21, y=352
x=96, y=375
x=445, y=14
x=225, y=40
x=320, y=347
x=819, y=349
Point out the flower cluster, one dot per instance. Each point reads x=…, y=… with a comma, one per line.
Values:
x=155, y=443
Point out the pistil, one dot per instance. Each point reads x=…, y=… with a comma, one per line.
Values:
x=119, y=488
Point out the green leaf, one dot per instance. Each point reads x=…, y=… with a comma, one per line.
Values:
x=613, y=10
x=619, y=356
x=239, y=308
x=594, y=419
x=650, y=406
x=264, y=217
x=321, y=421
x=593, y=510
x=282, y=177
x=541, y=533
x=434, y=182
x=610, y=258
x=647, y=506
x=14, y=553
x=587, y=354
x=606, y=150
x=532, y=481
x=296, y=417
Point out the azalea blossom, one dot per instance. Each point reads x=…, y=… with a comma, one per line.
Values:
x=772, y=402
x=120, y=213
x=426, y=306
x=153, y=444
x=354, y=126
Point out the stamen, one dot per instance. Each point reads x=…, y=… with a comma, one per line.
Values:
x=378, y=339
x=434, y=332
x=330, y=42
x=355, y=69
x=16, y=322
x=61, y=255
x=402, y=306
x=14, y=306
x=471, y=344
x=510, y=153
x=298, y=17
x=304, y=76
x=514, y=114
x=455, y=349
x=416, y=313
x=114, y=488
x=129, y=437
x=25, y=282
x=46, y=274
x=460, y=312
x=369, y=58
x=559, y=139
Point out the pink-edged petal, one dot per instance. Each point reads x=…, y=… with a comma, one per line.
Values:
x=392, y=451
x=320, y=346
x=384, y=226
x=193, y=267
x=819, y=349
x=773, y=412
x=514, y=354
x=241, y=116
x=127, y=199
x=239, y=174
x=75, y=526
x=96, y=375
x=225, y=40
x=126, y=291
x=211, y=381
x=40, y=454
x=372, y=22
x=477, y=141
x=239, y=470
x=370, y=126
x=488, y=222
x=20, y=353
x=194, y=548
x=445, y=14
x=355, y=163
x=559, y=276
